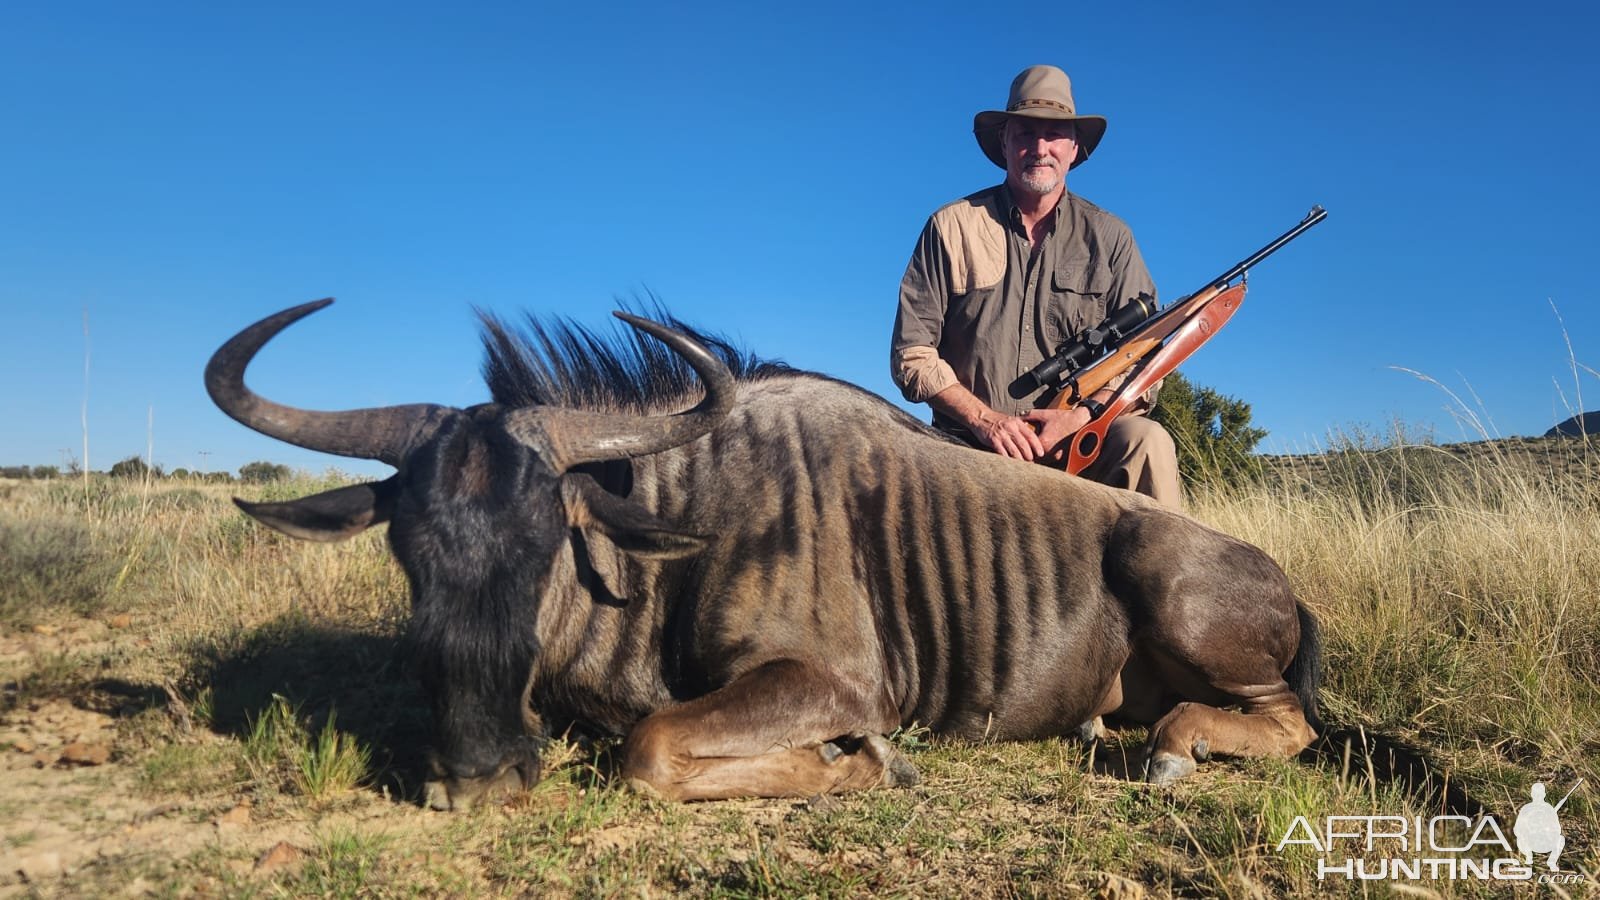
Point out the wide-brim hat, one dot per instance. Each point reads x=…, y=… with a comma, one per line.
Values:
x=1040, y=92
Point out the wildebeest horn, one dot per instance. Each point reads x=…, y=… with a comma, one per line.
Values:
x=569, y=437
x=385, y=433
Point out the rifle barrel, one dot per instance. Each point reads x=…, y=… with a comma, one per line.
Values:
x=1568, y=796
x=1317, y=214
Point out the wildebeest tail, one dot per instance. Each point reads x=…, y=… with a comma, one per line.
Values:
x=1305, y=670
x=1364, y=753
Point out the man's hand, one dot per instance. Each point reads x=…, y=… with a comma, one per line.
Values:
x=1010, y=436
x=1055, y=426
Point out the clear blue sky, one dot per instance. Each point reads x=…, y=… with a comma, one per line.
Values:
x=180, y=170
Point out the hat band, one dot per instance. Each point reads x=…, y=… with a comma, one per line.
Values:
x=1035, y=102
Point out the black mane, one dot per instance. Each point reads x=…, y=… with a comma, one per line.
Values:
x=559, y=362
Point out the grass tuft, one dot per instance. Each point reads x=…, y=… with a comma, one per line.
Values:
x=280, y=751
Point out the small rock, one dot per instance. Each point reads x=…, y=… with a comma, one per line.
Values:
x=153, y=813
x=40, y=867
x=822, y=803
x=46, y=630
x=22, y=744
x=239, y=815
x=120, y=621
x=81, y=754
x=1116, y=887
x=280, y=855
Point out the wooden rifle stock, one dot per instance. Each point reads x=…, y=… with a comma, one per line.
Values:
x=1186, y=336
x=1127, y=354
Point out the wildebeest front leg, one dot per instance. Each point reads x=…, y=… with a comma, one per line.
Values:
x=784, y=729
x=1271, y=725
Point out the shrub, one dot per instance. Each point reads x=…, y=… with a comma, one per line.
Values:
x=1211, y=430
x=50, y=563
x=134, y=467
x=262, y=472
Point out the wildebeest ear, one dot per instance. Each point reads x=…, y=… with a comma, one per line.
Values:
x=631, y=527
x=331, y=515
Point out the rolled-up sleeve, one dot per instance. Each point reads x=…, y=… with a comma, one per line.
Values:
x=914, y=360
x=921, y=373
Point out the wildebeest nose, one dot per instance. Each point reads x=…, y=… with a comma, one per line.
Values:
x=461, y=794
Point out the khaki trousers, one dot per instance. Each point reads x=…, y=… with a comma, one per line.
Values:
x=1139, y=455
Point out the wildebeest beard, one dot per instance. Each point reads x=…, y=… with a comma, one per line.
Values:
x=476, y=559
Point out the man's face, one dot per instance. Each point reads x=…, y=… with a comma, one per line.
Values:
x=1038, y=153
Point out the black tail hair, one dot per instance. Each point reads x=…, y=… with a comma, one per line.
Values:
x=1305, y=670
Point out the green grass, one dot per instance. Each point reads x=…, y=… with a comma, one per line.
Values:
x=280, y=752
x=190, y=768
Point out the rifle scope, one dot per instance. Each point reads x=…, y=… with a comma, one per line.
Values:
x=1086, y=347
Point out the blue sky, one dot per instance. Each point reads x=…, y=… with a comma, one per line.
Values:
x=181, y=170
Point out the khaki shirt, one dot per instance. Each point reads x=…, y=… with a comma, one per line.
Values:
x=978, y=306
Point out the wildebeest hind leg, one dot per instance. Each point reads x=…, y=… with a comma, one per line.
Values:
x=1270, y=724
x=784, y=729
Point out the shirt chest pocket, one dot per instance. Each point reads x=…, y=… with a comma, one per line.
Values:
x=1080, y=293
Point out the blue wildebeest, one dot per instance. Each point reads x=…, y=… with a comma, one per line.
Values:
x=755, y=591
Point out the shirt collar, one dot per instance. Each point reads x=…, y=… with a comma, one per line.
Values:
x=1014, y=215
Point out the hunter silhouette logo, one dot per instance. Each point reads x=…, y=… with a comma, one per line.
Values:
x=1443, y=847
x=1538, y=827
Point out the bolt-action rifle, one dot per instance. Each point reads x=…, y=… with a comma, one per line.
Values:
x=1143, y=341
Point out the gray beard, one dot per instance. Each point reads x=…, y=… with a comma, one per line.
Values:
x=1038, y=183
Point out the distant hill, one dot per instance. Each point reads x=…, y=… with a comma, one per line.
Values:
x=1581, y=424
x=1548, y=459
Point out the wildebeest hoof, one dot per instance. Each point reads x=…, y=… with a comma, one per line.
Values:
x=897, y=770
x=830, y=752
x=643, y=788
x=436, y=796
x=1165, y=768
x=1091, y=731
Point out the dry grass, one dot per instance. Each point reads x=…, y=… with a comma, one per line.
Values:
x=1456, y=588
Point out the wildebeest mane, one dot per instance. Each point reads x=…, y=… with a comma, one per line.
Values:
x=560, y=362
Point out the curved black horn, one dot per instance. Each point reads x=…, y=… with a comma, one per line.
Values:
x=384, y=433
x=569, y=437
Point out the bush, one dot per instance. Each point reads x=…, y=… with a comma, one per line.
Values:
x=1211, y=430
x=262, y=472
x=134, y=467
